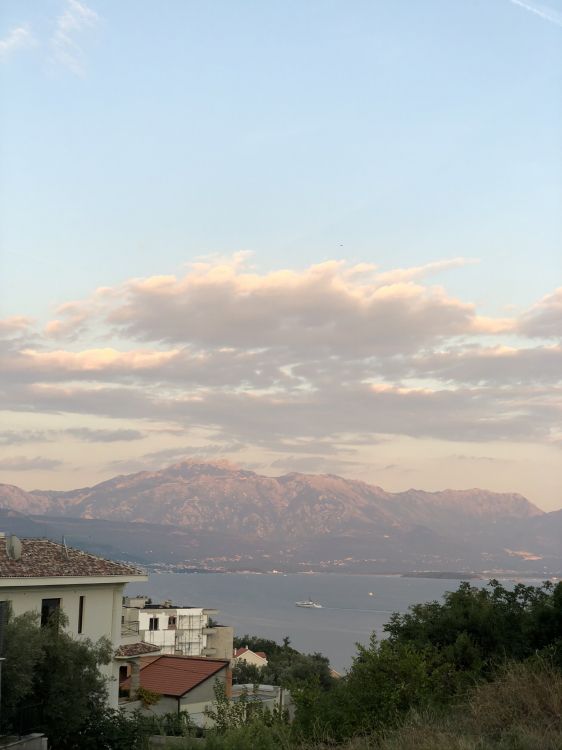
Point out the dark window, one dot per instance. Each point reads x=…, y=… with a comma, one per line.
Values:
x=153, y=623
x=172, y=622
x=123, y=673
x=48, y=608
x=81, y=614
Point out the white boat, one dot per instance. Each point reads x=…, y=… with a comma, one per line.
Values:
x=309, y=604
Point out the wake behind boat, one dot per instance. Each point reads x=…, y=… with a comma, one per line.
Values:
x=309, y=604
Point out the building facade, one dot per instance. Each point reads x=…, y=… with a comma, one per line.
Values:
x=41, y=577
x=177, y=630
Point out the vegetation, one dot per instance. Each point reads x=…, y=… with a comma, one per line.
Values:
x=435, y=679
x=286, y=666
x=52, y=683
x=481, y=670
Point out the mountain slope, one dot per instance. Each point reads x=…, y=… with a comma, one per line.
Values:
x=220, y=498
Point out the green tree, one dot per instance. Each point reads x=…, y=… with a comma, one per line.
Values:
x=53, y=683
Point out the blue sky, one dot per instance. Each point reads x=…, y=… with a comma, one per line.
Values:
x=137, y=137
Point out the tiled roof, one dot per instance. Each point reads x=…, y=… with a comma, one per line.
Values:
x=136, y=649
x=42, y=558
x=177, y=675
x=246, y=650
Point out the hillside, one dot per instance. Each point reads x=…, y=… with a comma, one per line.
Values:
x=216, y=516
x=221, y=498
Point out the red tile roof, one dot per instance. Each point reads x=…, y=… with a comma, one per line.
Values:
x=245, y=649
x=136, y=649
x=177, y=675
x=42, y=558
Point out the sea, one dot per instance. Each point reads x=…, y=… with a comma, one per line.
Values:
x=353, y=606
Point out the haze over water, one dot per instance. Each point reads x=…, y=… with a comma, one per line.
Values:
x=264, y=605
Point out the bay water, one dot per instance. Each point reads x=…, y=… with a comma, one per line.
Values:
x=353, y=606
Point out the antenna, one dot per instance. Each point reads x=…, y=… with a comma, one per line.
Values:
x=65, y=548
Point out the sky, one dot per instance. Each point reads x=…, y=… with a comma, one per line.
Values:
x=320, y=236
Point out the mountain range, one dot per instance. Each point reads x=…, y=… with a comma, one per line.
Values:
x=217, y=516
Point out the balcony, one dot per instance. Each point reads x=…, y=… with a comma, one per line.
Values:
x=209, y=631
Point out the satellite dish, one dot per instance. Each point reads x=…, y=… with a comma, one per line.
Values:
x=14, y=547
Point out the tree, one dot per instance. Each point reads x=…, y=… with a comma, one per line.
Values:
x=52, y=683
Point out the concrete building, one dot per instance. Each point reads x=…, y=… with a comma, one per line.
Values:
x=41, y=576
x=177, y=630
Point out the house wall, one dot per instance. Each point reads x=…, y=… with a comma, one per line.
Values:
x=102, y=614
x=251, y=658
x=195, y=702
x=220, y=642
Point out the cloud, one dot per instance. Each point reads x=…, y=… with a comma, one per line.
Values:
x=71, y=23
x=13, y=437
x=328, y=307
x=500, y=365
x=401, y=275
x=17, y=39
x=547, y=14
x=314, y=464
x=104, y=436
x=159, y=459
x=22, y=463
x=544, y=320
x=14, y=325
x=303, y=365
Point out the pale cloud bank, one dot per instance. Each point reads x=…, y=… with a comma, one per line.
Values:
x=76, y=18
x=17, y=39
x=312, y=367
x=546, y=13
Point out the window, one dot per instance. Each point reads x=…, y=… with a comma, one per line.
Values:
x=153, y=623
x=81, y=613
x=48, y=608
x=172, y=622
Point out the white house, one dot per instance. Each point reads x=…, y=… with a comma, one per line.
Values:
x=256, y=658
x=38, y=575
x=178, y=630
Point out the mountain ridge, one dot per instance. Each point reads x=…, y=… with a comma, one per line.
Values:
x=215, y=516
x=217, y=496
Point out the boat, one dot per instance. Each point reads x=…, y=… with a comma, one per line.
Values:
x=309, y=604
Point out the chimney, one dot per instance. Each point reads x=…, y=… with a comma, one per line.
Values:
x=14, y=547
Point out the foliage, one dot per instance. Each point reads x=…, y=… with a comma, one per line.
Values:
x=433, y=654
x=286, y=666
x=244, y=673
x=521, y=709
x=51, y=678
x=494, y=623
x=226, y=714
x=147, y=697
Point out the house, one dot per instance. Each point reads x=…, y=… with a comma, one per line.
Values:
x=185, y=631
x=42, y=576
x=184, y=683
x=256, y=658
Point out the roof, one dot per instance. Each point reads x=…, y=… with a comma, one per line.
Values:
x=42, y=558
x=177, y=675
x=135, y=649
x=245, y=650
